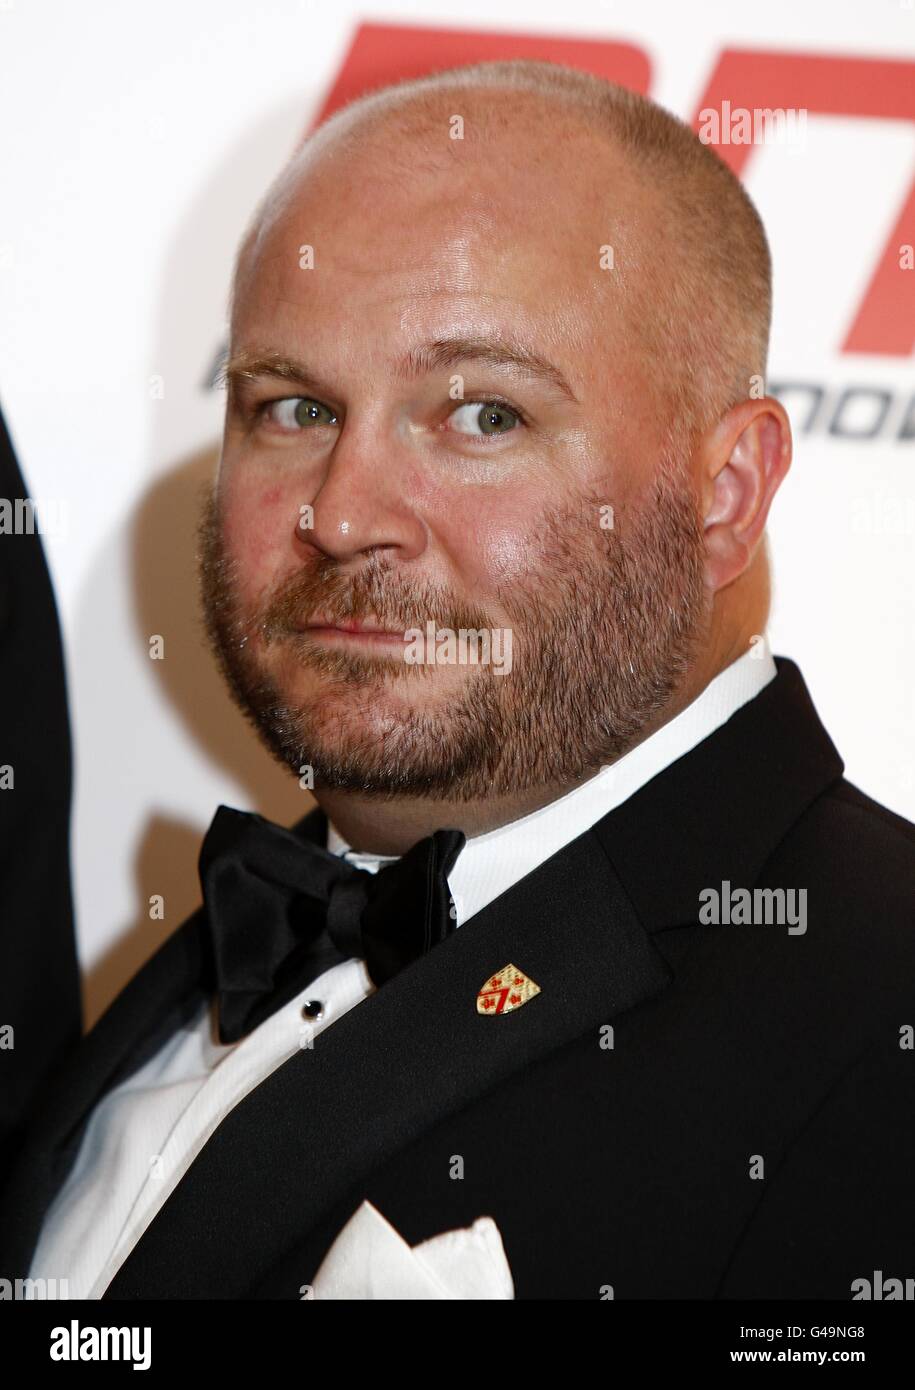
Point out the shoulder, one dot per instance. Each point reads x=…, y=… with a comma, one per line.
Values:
x=852, y=847
x=851, y=865
x=850, y=806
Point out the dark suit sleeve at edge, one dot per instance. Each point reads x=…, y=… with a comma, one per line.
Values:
x=39, y=975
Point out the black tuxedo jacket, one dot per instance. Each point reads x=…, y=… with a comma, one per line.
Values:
x=633, y=1167
x=39, y=976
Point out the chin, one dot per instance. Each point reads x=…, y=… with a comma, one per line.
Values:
x=373, y=711
x=405, y=690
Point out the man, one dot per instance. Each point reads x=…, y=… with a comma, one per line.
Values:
x=588, y=936
x=39, y=975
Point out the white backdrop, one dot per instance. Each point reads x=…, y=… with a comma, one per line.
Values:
x=136, y=139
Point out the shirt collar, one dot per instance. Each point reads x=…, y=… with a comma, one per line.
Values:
x=491, y=863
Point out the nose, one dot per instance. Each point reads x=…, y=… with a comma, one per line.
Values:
x=363, y=502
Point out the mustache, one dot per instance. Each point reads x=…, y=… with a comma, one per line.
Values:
x=376, y=593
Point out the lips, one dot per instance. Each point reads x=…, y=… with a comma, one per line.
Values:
x=356, y=625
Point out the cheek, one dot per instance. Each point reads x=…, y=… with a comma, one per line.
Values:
x=499, y=547
x=258, y=527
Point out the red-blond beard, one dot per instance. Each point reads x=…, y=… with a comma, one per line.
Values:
x=600, y=647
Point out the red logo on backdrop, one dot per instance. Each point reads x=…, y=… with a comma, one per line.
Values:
x=835, y=85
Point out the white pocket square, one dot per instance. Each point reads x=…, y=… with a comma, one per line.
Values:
x=370, y=1260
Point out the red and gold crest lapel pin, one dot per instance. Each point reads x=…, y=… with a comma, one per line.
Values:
x=507, y=990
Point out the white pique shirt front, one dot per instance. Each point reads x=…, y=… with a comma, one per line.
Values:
x=146, y=1132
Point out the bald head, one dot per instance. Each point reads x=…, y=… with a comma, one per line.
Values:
x=682, y=251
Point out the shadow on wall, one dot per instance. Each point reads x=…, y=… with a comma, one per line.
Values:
x=131, y=755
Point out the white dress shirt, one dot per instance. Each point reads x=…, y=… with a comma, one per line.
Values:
x=144, y=1134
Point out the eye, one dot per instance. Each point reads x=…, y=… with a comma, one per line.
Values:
x=299, y=412
x=485, y=418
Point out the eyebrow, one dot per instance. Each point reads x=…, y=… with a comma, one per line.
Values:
x=436, y=355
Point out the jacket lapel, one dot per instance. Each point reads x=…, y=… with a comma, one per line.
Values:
x=387, y=1070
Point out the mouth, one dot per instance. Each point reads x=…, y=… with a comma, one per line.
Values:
x=352, y=629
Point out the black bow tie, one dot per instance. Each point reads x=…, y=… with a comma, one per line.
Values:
x=280, y=910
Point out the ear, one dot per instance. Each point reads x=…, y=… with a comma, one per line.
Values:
x=744, y=458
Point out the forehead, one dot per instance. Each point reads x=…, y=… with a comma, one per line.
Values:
x=414, y=235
